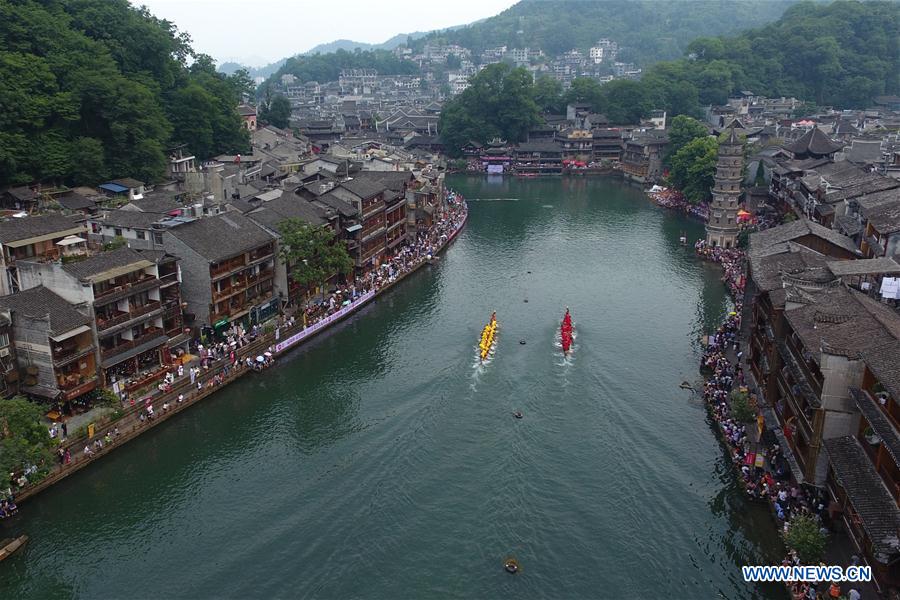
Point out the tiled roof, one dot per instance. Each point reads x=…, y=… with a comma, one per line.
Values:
x=879, y=422
x=222, y=236
x=39, y=303
x=130, y=219
x=870, y=498
x=814, y=142
x=364, y=188
x=105, y=261
x=761, y=241
x=884, y=362
x=287, y=207
x=22, y=228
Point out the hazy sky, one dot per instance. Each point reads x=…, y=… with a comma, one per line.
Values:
x=261, y=31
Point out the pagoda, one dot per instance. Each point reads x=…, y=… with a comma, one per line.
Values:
x=722, y=227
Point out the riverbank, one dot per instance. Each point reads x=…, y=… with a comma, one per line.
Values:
x=754, y=448
x=140, y=416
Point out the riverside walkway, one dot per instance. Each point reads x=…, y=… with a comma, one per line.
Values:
x=184, y=393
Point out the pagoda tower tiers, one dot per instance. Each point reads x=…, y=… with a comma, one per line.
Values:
x=722, y=228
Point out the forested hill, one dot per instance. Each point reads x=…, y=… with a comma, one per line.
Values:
x=96, y=89
x=327, y=67
x=649, y=30
x=841, y=54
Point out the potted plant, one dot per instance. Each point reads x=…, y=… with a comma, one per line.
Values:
x=871, y=436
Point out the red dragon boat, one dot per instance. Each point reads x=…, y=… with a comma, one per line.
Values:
x=565, y=333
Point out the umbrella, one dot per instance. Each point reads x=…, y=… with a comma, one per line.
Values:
x=267, y=354
x=260, y=359
x=732, y=314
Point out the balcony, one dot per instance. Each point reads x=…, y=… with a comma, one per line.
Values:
x=227, y=267
x=371, y=232
x=150, y=334
x=373, y=209
x=230, y=291
x=105, y=325
x=64, y=356
x=77, y=385
x=123, y=291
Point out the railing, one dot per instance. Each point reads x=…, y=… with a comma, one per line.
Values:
x=62, y=357
x=227, y=267
x=371, y=210
x=124, y=317
x=367, y=233
x=76, y=382
x=118, y=319
x=230, y=291
x=122, y=291
x=127, y=345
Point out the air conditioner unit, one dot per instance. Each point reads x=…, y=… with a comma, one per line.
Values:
x=4, y=352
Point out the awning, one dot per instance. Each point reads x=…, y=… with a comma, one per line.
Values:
x=220, y=323
x=113, y=187
x=68, y=334
x=76, y=229
x=70, y=240
x=353, y=228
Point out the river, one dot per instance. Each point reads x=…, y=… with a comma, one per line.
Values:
x=380, y=461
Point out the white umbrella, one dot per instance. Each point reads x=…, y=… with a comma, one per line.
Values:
x=260, y=359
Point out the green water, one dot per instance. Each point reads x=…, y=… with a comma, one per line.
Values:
x=381, y=462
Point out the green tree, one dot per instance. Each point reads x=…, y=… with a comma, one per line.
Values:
x=277, y=112
x=625, y=102
x=740, y=407
x=24, y=440
x=312, y=253
x=585, y=89
x=682, y=131
x=694, y=168
x=805, y=536
x=548, y=94
x=498, y=102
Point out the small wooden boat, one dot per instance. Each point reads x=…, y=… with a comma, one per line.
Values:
x=8, y=546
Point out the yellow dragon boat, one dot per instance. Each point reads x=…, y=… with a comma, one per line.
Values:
x=488, y=337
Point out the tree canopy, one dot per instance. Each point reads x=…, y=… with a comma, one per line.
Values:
x=841, y=54
x=682, y=130
x=648, y=30
x=24, y=440
x=311, y=253
x=694, y=168
x=498, y=102
x=327, y=67
x=276, y=111
x=95, y=89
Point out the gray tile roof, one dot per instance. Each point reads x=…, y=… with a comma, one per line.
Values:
x=130, y=219
x=841, y=321
x=290, y=207
x=15, y=229
x=867, y=493
x=222, y=236
x=879, y=422
x=884, y=362
x=100, y=263
x=814, y=142
x=364, y=188
x=762, y=241
x=39, y=303
x=767, y=270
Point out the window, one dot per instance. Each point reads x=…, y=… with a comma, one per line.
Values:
x=117, y=232
x=157, y=238
x=4, y=340
x=141, y=235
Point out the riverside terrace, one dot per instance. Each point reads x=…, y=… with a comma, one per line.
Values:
x=183, y=393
